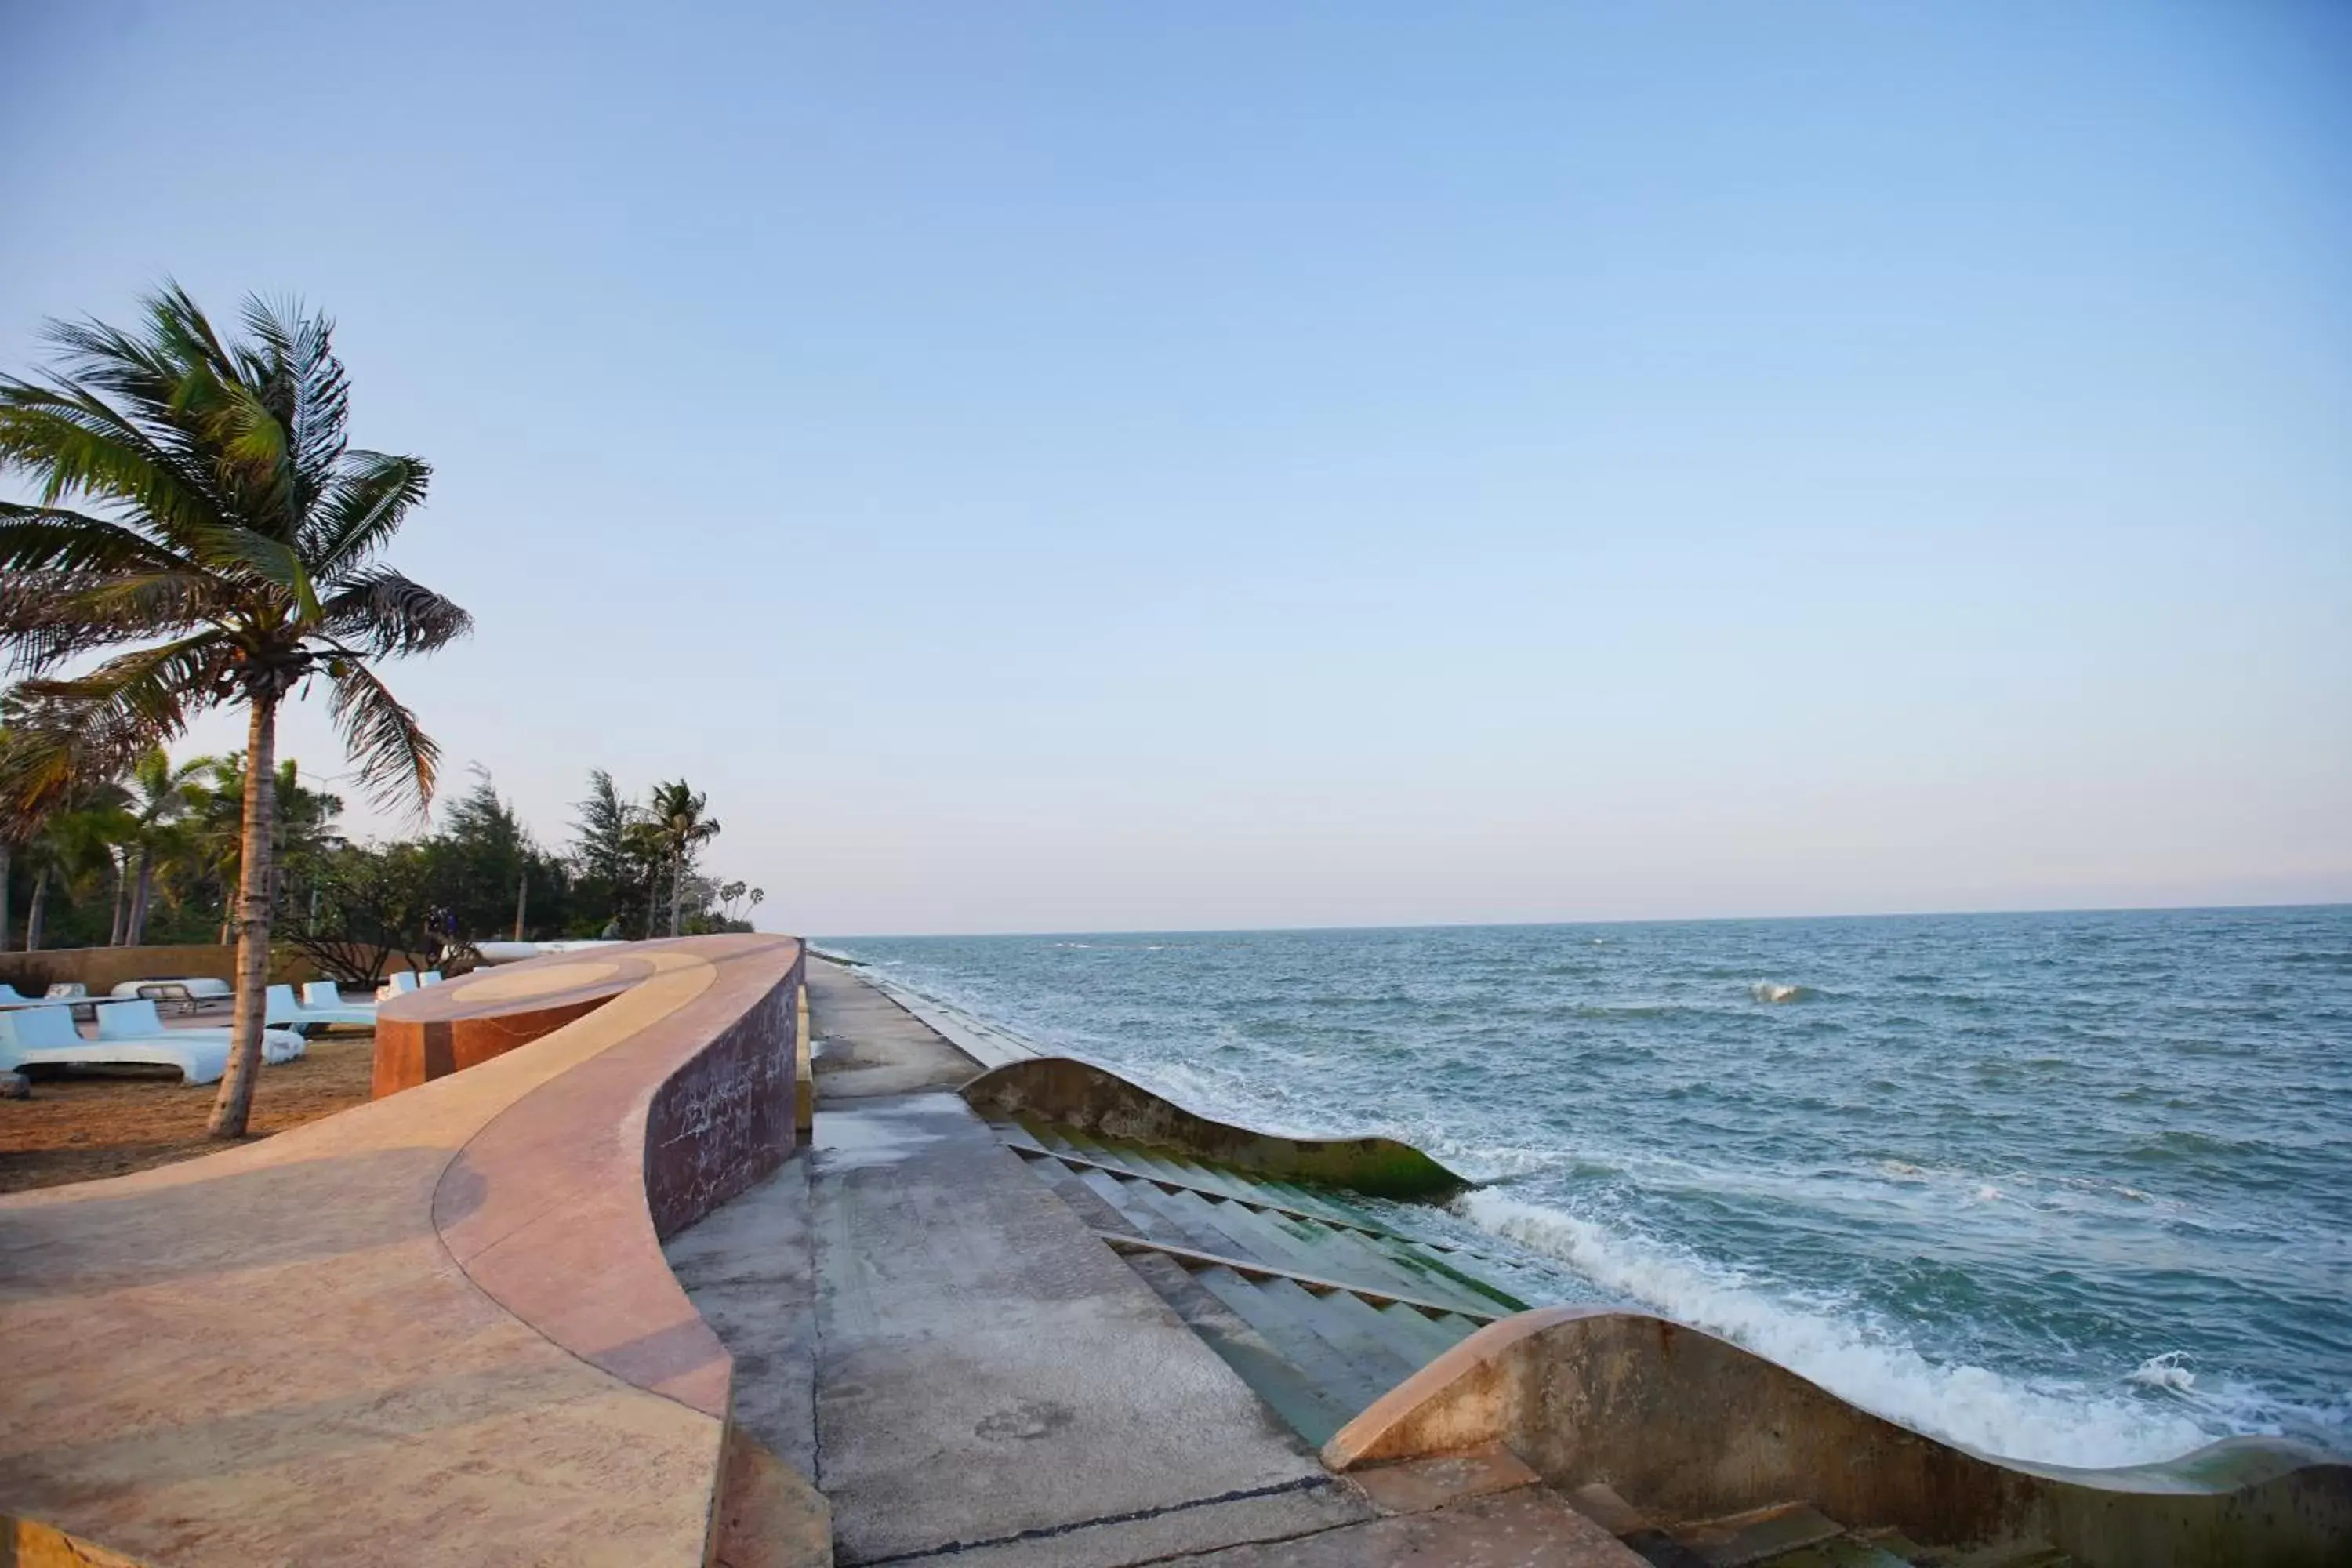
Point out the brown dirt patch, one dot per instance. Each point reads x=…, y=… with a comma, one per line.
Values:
x=91, y=1123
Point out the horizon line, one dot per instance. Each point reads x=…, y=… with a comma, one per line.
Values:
x=1524, y=925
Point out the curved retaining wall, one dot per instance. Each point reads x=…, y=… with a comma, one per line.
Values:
x=1094, y=1100
x=1688, y=1426
x=435, y=1328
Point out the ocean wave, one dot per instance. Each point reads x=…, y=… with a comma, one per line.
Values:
x=1772, y=992
x=1971, y=1405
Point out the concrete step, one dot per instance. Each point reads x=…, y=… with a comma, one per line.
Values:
x=1435, y=1335
x=1393, y=1346
x=1761, y=1535
x=1840, y=1551
x=1298, y=1402
x=1182, y=1217
x=1283, y=1314
x=1350, y=1325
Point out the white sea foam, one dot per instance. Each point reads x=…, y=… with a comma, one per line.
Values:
x=1772, y=991
x=2170, y=1370
x=1972, y=1405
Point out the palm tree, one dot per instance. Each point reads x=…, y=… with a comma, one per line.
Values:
x=681, y=830
x=161, y=795
x=202, y=520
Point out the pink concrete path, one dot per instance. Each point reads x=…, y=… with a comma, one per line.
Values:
x=436, y=1328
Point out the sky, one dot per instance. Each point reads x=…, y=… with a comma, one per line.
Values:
x=1082, y=467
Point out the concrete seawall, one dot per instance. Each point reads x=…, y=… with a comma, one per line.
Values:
x=1688, y=1426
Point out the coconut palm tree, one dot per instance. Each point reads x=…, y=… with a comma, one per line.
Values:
x=681, y=830
x=203, y=521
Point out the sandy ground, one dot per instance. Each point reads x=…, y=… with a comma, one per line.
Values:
x=82, y=1126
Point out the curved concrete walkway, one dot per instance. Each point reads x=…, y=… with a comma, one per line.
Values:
x=436, y=1328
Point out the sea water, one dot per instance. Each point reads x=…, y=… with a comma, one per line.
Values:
x=2066, y=1188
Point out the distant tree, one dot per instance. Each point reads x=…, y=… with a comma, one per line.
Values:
x=682, y=827
x=375, y=906
x=161, y=795
x=200, y=508
x=600, y=856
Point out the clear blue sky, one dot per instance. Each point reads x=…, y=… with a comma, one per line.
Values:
x=1079, y=466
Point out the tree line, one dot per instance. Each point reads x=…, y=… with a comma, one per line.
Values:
x=155, y=857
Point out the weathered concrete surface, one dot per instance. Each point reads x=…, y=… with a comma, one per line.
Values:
x=748, y=1268
x=987, y=1367
x=1529, y=1528
x=1688, y=1426
x=350, y=1344
x=868, y=1044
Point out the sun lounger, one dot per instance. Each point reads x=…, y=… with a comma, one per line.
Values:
x=282, y=1011
x=430, y=977
x=124, y=1022
x=201, y=987
x=400, y=983
x=46, y=1037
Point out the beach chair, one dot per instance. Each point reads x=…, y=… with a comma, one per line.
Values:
x=12, y=998
x=281, y=1010
x=46, y=1037
x=197, y=987
x=430, y=977
x=126, y=1022
x=400, y=983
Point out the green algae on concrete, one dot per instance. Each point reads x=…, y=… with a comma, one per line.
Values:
x=1080, y=1094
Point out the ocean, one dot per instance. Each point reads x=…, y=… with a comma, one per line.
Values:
x=2073, y=1188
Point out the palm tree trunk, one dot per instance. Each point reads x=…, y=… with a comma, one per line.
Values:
x=33, y=915
x=121, y=898
x=235, y=1103
x=522, y=900
x=141, y=891
x=5, y=849
x=676, y=887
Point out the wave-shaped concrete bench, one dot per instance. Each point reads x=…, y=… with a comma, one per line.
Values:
x=436, y=1328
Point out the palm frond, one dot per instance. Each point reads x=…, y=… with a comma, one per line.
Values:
x=397, y=760
x=49, y=538
x=47, y=617
x=98, y=725
x=81, y=446
x=384, y=612
x=243, y=554
x=313, y=403
x=365, y=508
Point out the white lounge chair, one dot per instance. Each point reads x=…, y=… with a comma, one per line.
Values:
x=430, y=977
x=282, y=1011
x=38, y=1037
x=66, y=991
x=136, y=1021
x=198, y=987
x=399, y=983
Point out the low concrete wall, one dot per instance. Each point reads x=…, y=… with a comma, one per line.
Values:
x=103, y=968
x=1095, y=1100
x=1685, y=1427
x=435, y=1329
